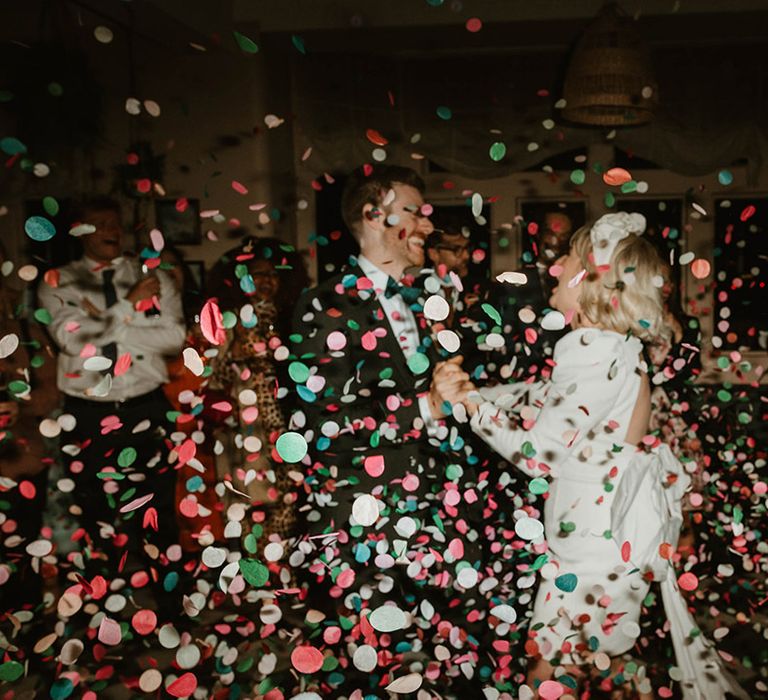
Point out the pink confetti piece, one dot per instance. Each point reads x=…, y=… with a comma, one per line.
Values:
x=136, y=503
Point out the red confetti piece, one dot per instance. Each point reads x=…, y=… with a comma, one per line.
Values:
x=144, y=185
x=700, y=268
x=474, y=25
x=187, y=451
x=182, y=204
x=747, y=212
x=27, y=489
x=688, y=581
x=144, y=621
x=374, y=465
x=616, y=176
x=183, y=686
x=51, y=278
x=239, y=187
x=376, y=138
x=211, y=323
x=626, y=551
x=123, y=364
x=306, y=659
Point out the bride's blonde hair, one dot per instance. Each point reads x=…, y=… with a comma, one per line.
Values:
x=626, y=297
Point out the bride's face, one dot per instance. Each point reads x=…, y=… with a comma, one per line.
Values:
x=565, y=295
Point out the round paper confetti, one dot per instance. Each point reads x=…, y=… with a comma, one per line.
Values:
x=38, y=228
x=306, y=659
x=365, y=510
x=292, y=447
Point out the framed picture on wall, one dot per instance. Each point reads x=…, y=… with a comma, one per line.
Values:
x=741, y=295
x=179, y=224
x=544, y=217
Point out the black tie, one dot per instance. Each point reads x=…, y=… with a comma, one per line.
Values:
x=409, y=294
x=110, y=299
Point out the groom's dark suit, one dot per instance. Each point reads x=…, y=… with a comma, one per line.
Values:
x=359, y=409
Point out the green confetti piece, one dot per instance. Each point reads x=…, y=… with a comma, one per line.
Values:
x=418, y=363
x=528, y=449
x=17, y=386
x=38, y=228
x=724, y=395
x=228, y=319
x=490, y=311
x=497, y=151
x=11, y=671
x=610, y=199
x=538, y=486
x=299, y=372
x=444, y=112
x=247, y=45
x=51, y=206
x=42, y=316
x=292, y=447
x=578, y=176
x=11, y=146
x=55, y=89
x=567, y=526
x=725, y=177
x=629, y=187
x=567, y=582
x=298, y=44
x=254, y=572
x=126, y=457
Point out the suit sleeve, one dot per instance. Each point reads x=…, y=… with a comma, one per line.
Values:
x=344, y=398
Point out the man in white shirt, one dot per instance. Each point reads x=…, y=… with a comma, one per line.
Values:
x=381, y=460
x=111, y=367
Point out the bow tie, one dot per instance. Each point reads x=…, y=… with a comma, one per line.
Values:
x=409, y=294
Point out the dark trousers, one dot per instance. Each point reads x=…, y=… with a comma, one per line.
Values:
x=108, y=444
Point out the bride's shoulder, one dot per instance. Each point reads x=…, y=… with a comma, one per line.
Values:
x=584, y=347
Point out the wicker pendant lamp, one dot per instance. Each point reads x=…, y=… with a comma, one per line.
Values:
x=610, y=81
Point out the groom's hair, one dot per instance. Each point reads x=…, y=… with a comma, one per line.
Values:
x=361, y=189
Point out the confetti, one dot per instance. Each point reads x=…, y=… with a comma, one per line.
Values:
x=307, y=659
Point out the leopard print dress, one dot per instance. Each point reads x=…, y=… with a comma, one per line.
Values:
x=246, y=362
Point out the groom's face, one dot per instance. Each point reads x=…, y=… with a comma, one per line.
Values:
x=407, y=227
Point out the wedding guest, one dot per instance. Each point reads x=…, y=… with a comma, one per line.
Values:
x=259, y=282
x=111, y=368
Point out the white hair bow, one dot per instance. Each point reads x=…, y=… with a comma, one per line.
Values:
x=609, y=229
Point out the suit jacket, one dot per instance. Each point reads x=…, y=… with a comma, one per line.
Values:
x=356, y=397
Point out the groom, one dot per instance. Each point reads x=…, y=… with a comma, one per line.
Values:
x=391, y=508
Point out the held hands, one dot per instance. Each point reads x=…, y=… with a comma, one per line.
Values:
x=450, y=383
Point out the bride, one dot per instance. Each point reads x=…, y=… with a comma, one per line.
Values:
x=612, y=510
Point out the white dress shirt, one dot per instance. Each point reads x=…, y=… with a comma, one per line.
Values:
x=403, y=325
x=80, y=334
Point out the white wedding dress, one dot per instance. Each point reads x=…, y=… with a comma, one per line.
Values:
x=576, y=442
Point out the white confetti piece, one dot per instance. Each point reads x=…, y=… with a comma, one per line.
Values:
x=529, y=528
x=8, y=345
x=553, y=321
x=365, y=658
x=436, y=308
x=406, y=684
x=512, y=278
x=365, y=510
x=387, y=618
